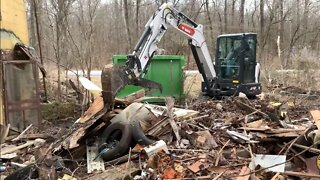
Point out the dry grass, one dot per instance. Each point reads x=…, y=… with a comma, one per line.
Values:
x=192, y=86
x=303, y=72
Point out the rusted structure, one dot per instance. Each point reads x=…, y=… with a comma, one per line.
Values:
x=19, y=81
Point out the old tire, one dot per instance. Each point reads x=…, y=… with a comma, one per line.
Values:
x=119, y=131
x=138, y=134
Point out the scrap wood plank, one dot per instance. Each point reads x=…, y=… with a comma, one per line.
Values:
x=195, y=167
x=285, y=134
x=244, y=173
x=11, y=149
x=250, y=109
x=30, y=136
x=22, y=133
x=316, y=117
x=301, y=174
x=158, y=128
x=136, y=95
x=272, y=131
x=80, y=130
x=170, y=104
x=95, y=107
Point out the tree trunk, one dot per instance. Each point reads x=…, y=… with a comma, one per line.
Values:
x=137, y=18
x=127, y=23
x=232, y=12
x=225, y=16
x=261, y=35
x=242, y=15
x=298, y=12
x=209, y=21
x=305, y=21
x=281, y=33
x=117, y=25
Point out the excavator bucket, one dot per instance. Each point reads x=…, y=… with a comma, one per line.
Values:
x=114, y=78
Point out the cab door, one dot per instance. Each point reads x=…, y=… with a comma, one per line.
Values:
x=248, y=60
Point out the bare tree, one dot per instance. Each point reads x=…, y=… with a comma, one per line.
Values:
x=305, y=20
x=209, y=20
x=242, y=15
x=127, y=22
x=93, y=32
x=58, y=12
x=281, y=32
x=137, y=17
x=233, y=11
x=261, y=34
x=225, y=15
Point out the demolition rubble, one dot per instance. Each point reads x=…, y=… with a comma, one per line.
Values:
x=233, y=138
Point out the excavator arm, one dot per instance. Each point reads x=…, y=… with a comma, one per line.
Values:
x=166, y=17
x=137, y=62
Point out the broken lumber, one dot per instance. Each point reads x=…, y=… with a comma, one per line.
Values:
x=301, y=174
x=170, y=104
x=311, y=149
x=14, y=149
x=22, y=133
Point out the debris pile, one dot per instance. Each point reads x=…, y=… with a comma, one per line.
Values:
x=232, y=138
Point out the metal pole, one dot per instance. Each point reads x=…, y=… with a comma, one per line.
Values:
x=40, y=49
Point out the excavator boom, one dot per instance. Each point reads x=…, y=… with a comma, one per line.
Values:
x=137, y=62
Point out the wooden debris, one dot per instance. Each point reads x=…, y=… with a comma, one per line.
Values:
x=29, y=137
x=250, y=109
x=207, y=140
x=255, y=124
x=6, y=150
x=95, y=107
x=311, y=149
x=272, y=131
x=195, y=167
x=8, y=155
x=201, y=140
x=244, y=173
x=316, y=117
x=170, y=104
x=211, y=144
x=46, y=165
x=159, y=128
x=196, y=118
x=301, y=174
x=22, y=133
x=95, y=112
x=134, y=96
x=219, y=175
x=220, y=153
x=67, y=177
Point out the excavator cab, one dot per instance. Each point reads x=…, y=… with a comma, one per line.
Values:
x=236, y=66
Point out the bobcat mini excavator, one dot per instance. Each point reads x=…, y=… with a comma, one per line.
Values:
x=235, y=68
